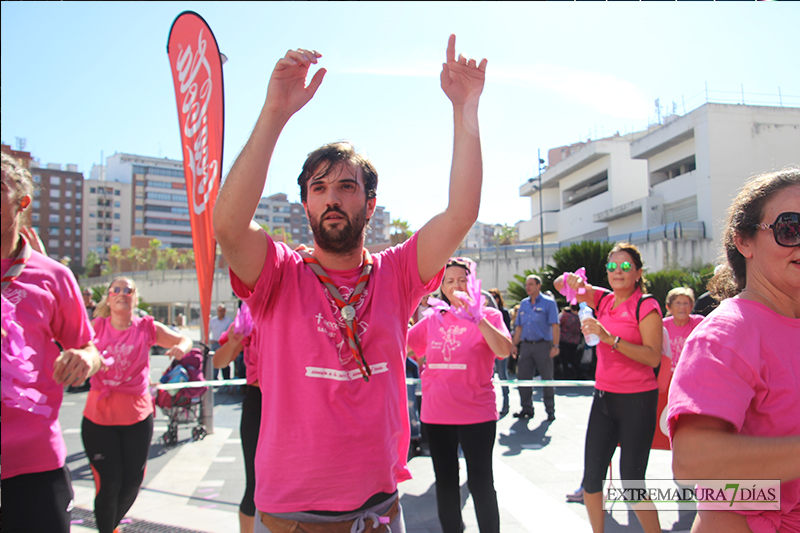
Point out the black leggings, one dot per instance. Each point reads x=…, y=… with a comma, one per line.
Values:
x=248, y=430
x=477, y=441
x=118, y=457
x=627, y=419
x=41, y=501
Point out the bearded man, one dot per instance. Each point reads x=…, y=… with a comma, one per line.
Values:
x=332, y=321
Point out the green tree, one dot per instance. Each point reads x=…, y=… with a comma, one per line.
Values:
x=152, y=254
x=114, y=256
x=92, y=261
x=399, y=231
x=507, y=235
x=278, y=234
x=588, y=254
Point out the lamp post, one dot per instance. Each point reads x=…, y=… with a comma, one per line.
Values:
x=541, y=215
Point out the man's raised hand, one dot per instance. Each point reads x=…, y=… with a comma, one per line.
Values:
x=287, y=92
x=462, y=79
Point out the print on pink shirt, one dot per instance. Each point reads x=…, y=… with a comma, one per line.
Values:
x=449, y=340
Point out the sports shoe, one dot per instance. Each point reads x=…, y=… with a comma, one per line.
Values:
x=524, y=414
x=576, y=497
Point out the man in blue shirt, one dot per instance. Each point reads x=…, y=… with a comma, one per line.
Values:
x=537, y=329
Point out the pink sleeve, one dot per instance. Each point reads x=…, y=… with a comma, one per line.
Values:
x=259, y=298
x=418, y=336
x=71, y=326
x=150, y=329
x=649, y=305
x=711, y=380
x=495, y=318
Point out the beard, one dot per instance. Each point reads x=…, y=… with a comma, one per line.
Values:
x=342, y=240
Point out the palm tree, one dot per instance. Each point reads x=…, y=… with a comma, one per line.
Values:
x=507, y=235
x=152, y=253
x=114, y=255
x=399, y=231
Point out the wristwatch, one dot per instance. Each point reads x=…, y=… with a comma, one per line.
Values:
x=616, y=342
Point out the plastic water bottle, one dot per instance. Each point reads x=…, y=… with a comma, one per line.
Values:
x=584, y=313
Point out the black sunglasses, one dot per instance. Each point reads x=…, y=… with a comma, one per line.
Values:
x=123, y=290
x=612, y=266
x=785, y=229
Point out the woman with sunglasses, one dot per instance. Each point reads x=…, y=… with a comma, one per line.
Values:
x=733, y=405
x=118, y=418
x=459, y=340
x=626, y=392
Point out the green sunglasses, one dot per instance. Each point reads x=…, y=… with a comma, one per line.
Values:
x=612, y=266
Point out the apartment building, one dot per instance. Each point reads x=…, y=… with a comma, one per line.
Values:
x=666, y=189
x=107, y=207
x=57, y=210
x=159, y=203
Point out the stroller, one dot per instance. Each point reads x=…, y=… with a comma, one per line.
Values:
x=182, y=407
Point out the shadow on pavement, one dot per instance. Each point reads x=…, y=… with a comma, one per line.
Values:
x=520, y=437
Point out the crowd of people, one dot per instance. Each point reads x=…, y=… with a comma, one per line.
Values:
x=325, y=334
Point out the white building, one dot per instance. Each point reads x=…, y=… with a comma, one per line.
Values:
x=108, y=217
x=160, y=205
x=666, y=189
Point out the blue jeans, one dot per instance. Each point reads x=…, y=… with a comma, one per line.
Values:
x=500, y=370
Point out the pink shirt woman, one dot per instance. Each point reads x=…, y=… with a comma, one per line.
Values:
x=118, y=418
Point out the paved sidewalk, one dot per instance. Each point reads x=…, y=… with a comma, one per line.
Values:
x=197, y=486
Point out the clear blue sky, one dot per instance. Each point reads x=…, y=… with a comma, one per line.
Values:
x=84, y=78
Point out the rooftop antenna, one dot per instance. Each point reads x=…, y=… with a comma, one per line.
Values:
x=20, y=143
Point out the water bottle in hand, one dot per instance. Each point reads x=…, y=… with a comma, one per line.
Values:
x=584, y=313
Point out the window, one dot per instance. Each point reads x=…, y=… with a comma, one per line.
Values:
x=77, y=232
x=37, y=178
x=92, y=190
x=36, y=192
x=115, y=240
x=67, y=231
x=108, y=226
x=53, y=231
x=67, y=243
x=116, y=192
x=55, y=193
x=34, y=217
x=78, y=195
x=92, y=215
x=68, y=206
x=67, y=219
x=138, y=220
x=55, y=180
x=100, y=225
x=54, y=219
x=116, y=204
x=116, y=216
x=68, y=193
x=36, y=204
x=77, y=220
x=52, y=243
x=53, y=206
x=99, y=238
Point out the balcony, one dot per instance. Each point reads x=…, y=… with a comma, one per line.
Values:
x=529, y=229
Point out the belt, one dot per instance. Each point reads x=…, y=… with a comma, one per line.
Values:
x=534, y=342
x=280, y=525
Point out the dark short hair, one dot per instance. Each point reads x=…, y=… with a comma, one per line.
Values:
x=329, y=156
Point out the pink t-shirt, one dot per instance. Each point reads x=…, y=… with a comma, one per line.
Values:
x=250, y=360
x=457, y=377
x=616, y=372
x=679, y=334
x=329, y=440
x=49, y=307
x=127, y=380
x=741, y=365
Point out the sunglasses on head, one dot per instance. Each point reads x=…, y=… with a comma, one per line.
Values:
x=611, y=266
x=123, y=290
x=785, y=229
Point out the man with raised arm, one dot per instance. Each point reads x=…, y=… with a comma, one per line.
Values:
x=333, y=320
